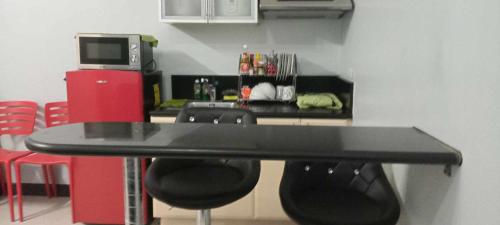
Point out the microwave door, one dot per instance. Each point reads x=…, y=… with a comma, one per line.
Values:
x=103, y=52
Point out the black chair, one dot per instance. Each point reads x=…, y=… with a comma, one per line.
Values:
x=338, y=193
x=203, y=184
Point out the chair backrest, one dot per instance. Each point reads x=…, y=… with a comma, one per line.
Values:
x=219, y=116
x=17, y=117
x=216, y=115
x=365, y=178
x=56, y=113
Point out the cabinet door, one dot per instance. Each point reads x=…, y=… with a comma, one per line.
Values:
x=267, y=198
x=325, y=122
x=92, y=95
x=233, y=11
x=278, y=121
x=183, y=11
x=163, y=119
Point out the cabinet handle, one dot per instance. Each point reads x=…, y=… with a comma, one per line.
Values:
x=102, y=81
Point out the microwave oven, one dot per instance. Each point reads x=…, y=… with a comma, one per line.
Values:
x=113, y=51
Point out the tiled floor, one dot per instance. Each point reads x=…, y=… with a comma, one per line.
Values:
x=56, y=211
x=39, y=210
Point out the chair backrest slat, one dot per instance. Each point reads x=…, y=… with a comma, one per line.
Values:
x=15, y=124
x=16, y=110
x=56, y=113
x=17, y=117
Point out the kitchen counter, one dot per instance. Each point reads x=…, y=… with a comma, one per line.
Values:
x=273, y=111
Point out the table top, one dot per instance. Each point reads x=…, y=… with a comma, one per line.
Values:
x=197, y=140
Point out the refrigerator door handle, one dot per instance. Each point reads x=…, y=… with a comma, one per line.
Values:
x=102, y=81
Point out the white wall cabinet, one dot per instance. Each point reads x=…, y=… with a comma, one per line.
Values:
x=209, y=11
x=184, y=11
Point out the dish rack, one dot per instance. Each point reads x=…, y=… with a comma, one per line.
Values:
x=252, y=80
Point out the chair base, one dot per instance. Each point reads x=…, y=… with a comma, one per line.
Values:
x=203, y=217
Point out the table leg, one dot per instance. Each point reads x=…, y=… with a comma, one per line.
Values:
x=133, y=192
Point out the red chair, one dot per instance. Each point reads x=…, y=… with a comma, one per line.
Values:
x=16, y=118
x=56, y=113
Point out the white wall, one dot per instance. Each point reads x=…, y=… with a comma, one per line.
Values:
x=434, y=65
x=37, y=45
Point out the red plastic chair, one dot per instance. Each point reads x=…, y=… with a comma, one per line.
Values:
x=56, y=113
x=16, y=118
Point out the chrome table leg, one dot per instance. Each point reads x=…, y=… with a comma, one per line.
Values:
x=133, y=191
x=203, y=217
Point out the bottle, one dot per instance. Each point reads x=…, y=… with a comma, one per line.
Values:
x=205, y=90
x=256, y=60
x=202, y=80
x=251, y=70
x=255, y=63
x=196, y=89
x=245, y=62
x=244, y=65
x=245, y=49
x=261, y=65
x=213, y=90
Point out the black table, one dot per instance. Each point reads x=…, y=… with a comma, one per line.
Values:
x=315, y=143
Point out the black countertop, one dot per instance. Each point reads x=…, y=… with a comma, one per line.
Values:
x=274, y=111
x=185, y=140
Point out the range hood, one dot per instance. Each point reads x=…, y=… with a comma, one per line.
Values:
x=277, y=9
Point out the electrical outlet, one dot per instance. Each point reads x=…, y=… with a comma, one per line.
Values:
x=351, y=74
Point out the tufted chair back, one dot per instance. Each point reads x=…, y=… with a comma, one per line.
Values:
x=366, y=178
x=216, y=115
x=204, y=183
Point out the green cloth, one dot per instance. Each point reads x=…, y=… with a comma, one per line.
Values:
x=319, y=100
x=175, y=103
x=149, y=38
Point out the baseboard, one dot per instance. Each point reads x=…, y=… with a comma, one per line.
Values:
x=39, y=189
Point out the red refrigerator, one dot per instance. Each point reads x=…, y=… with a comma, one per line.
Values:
x=107, y=96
